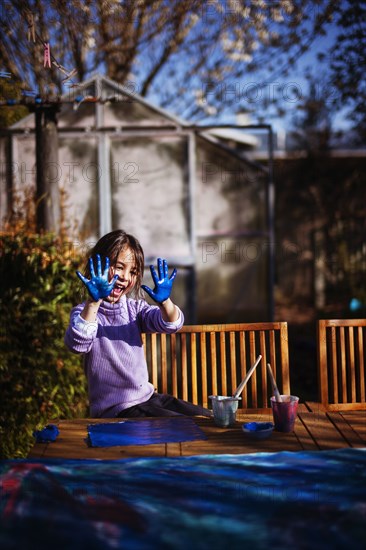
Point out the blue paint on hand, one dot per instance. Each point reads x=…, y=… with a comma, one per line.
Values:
x=98, y=286
x=163, y=283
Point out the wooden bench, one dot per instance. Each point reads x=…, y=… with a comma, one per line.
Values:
x=341, y=363
x=203, y=360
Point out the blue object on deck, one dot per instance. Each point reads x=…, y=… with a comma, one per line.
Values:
x=148, y=432
x=48, y=434
x=258, y=430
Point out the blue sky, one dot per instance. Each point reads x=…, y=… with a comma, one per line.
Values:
x=288, y=88
x=293, y=86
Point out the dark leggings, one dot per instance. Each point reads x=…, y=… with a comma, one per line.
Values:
x=162, y=404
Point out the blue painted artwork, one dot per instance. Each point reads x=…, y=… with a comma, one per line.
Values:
x=258, y=501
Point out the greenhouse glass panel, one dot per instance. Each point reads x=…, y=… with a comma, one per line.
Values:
x=79, y=181
x=235, y=272
x=150, y=193
x=230, y=192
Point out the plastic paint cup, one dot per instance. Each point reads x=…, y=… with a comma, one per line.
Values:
x=284, y=413
x=224, y=410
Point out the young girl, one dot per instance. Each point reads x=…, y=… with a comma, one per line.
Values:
x=107, y=328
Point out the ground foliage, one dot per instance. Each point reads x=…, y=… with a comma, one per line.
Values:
x=40, y=379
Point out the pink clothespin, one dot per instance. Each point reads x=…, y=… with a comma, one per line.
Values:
x=47, y=55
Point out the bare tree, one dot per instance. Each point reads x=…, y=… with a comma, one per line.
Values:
x=347, y=60
x=193, y=56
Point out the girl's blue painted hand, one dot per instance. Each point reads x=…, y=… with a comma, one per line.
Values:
x=98, y=286
x=163, y=283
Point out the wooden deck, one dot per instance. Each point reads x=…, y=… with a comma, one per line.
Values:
x=315, y=429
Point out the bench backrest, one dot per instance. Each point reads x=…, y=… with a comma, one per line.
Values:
x=341, y=363
x=203, y=360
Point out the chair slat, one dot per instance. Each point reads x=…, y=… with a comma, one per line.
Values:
x=183, y=352
x=361, y=362
x=232, y=353
x=174, y=363
x=322, y=362
x=242, y=346
x=284, y=354
x=223, y=374
x=343, y=365
x=334, y=364
x=213, y=363
x=164, y=364
x=273, y=361
x=351, y=362
x=253, y=380
x=203, y=357
x=154, y=361
x=263, y=366
x=194, y=385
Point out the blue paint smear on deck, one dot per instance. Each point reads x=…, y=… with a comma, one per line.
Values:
x=148, y=432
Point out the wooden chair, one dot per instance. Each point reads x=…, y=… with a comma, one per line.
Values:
x=341, y=363
x=203, y=360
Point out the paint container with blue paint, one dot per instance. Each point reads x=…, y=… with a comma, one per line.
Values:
x=224, y=410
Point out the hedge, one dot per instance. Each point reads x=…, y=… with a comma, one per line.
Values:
x=40, y=379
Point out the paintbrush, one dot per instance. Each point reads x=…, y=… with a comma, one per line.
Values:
x=274, y=385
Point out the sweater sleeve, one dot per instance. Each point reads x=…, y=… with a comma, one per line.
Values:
x=80, y=334
x=151, y=319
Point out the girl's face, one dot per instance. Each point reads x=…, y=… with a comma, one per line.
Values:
x=125, y=268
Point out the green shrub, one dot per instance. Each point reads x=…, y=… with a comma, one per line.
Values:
x=40, y=379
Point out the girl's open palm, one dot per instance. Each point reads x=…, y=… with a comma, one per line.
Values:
x=98, y=285
x=163, y=283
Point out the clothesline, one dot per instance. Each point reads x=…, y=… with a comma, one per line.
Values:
x=41, y=101
x=48, y=60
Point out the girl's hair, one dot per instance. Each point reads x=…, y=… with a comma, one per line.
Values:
x=111, y=244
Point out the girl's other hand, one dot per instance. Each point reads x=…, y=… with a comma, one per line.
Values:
x=163, y=283
x=98, y=286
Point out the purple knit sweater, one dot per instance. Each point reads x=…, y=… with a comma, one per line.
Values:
x=114, y=359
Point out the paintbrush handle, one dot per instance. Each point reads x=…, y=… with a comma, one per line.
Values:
x=242, y=384
x=274, y=385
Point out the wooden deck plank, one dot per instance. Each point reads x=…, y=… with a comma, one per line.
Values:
x=346, y=429
x=357, y=421
x=39, y=450
x=314, y=406
x=323, y=431
x=307, y=442
x=173, y=449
